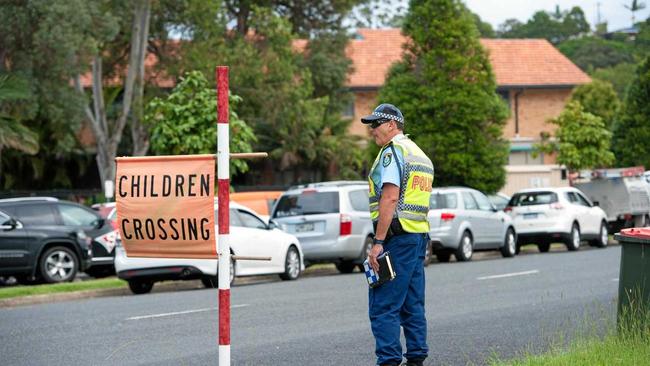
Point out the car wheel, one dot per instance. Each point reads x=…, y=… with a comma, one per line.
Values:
x=509, y=247
x=291, y=265
x=346, y=266
x=573, y=243
x=603, y=236
x=428, y=254
x=140, y=287
x=544, y=246
x=443, y=257
x=210, y=281
x=465, y=248
x=58, y=264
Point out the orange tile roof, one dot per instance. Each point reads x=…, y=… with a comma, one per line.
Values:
x=516, y=62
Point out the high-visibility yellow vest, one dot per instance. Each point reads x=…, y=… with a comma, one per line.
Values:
x=416, y=175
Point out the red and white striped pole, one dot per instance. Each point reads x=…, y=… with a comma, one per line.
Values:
x=223, y=196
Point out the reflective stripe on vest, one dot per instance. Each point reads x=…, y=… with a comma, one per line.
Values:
x=415, y=187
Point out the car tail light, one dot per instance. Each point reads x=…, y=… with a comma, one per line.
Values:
x=346, y=225
x=557, y=206
x=507, y=209
x=447, y=216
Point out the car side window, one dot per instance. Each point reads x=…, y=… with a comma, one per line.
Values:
x=470, y=204
x=4, y=219
x=359, y=200
x=234, y=218
x=482, y=201
x=76, y=216
x=570, y=197
x=582, y=200
x=575, y=199
x=31, y=215
x=250, y=220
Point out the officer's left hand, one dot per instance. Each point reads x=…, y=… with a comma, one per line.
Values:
x=376, y=250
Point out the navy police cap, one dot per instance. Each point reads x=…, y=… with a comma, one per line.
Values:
x=383, y=112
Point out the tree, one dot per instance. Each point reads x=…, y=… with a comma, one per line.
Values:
x=620, y=76
x=582, y=139
x=591, y=53
x=446, y=89
x=184, y=121
x=305, y=16
x=108, y=131
x=632, y=130
x=511, y=28
x=13, y=134
x=46, y=44
x=633, y=8
x=484, y=28
x=556, y=27
x=598, y=98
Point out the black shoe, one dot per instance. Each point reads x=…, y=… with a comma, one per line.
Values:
x=414, y=363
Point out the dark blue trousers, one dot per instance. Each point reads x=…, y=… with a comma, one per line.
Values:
x=401, y=302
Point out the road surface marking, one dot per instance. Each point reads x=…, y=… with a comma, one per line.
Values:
x=181, y=312
x=614, y=279
x=508, y=275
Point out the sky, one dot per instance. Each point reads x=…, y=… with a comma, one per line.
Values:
x=617, y=16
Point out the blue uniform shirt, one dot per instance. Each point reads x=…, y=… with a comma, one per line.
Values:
x=387, y=170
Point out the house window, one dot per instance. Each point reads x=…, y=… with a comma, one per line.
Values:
x=348, y=110
x=525, y=158
x=505, y=95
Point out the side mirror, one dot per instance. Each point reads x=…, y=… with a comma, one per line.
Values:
x=596, y=203
x=100, y=223
x=273, y=225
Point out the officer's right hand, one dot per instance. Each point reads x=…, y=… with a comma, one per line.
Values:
x=376, y=250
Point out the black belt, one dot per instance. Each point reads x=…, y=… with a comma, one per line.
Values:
x=394, y=229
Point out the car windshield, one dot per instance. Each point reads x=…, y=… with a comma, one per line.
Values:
x=533, y=198
x=307, y=203
x=443, y=200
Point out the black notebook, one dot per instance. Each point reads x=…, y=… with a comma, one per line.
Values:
x=386, y=271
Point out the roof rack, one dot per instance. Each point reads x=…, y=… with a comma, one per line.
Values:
x=334, y=183
x=22, y=199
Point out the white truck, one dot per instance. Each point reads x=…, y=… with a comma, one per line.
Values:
x=623, y=193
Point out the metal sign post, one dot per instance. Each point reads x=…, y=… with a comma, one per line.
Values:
x=223, y=179
x=223, y=197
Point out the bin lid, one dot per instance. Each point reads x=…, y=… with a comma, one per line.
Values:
x=636, y=235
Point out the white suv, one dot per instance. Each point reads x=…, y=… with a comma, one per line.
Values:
x=546, y=215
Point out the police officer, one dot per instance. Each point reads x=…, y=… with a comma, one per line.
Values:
x=400, y=186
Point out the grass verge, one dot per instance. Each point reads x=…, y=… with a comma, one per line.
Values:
x=625, y=343
x=18, y=291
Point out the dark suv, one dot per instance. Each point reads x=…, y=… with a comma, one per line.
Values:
x=51, y=240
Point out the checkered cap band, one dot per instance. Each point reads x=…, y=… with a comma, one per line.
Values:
x=388, y=116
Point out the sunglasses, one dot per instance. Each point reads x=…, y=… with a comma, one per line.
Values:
x=378, y=123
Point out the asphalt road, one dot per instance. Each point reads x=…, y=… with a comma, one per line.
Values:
x=476, y=311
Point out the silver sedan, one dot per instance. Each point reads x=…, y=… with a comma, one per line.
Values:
x=463, y=221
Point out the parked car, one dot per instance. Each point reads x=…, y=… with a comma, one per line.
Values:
x=546, y=215
x=463, y=221
x=44, y=239
x=623, y=193
x=261, y=201
x=331, y=220
x=104, y=209
x=249, y=236
x=499, y=200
